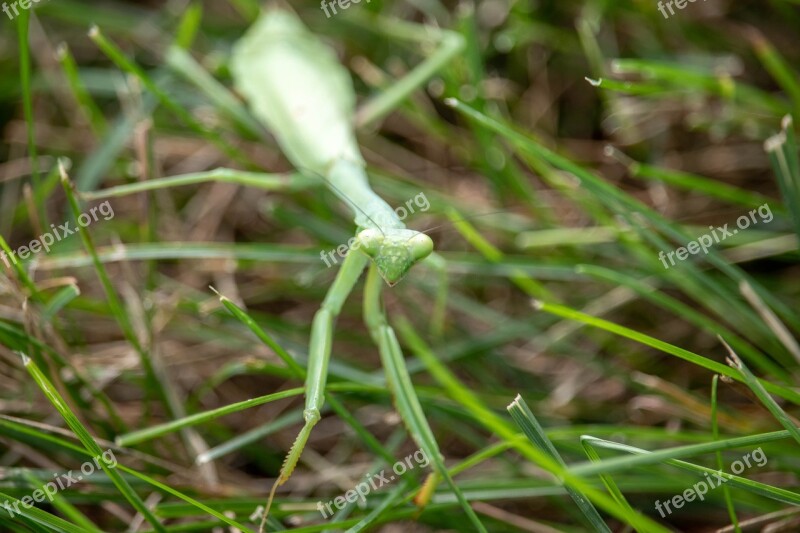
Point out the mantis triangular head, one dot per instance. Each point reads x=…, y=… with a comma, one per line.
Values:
x=394, y=251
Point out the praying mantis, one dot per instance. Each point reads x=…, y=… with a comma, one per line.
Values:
x=297, y=89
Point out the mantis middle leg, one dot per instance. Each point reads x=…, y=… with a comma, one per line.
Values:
x=450, y=44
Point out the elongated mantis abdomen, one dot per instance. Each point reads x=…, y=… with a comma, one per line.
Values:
x=298, y=89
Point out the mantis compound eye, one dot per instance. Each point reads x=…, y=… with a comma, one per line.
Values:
x=420, y=246
x=370, y=241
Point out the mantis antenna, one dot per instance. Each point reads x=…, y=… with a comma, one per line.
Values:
x=354, y=206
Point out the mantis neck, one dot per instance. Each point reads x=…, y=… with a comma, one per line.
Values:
x=348, y=180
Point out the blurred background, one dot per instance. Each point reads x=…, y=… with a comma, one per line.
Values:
x=593, y=136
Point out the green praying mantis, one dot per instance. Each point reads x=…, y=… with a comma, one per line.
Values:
x=298, y=90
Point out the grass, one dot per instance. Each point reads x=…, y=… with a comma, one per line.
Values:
x=571, y=382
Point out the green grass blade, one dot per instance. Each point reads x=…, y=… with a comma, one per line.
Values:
x=677, y=76
x=27, y=101
x=23, y=276
x=267, y=182
x=123, y=62
x=37, y=516
x=625, y=206
x=777, y=66
x=761, y=393
x=608, y=481
x=184, y=64
x=699, y=360
x=143, y=435
x=501, y=427
x=450, y=43
x=646, y=290
x=89, y=443
x=87, y=105
x=694, y=183
x=618, y=464
x=48, y=441
x=245, y=319
x=250, y=437
x=67, y=509
x=755, y=487
x=726, y=493
x=783, y=155
x=190, y=25
x=100, y=162
x=105, y=281
x=60, y=300
x=525, y=419
x=530, y=286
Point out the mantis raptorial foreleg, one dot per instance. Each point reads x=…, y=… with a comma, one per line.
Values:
x=319, y=354
x=401, y=386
